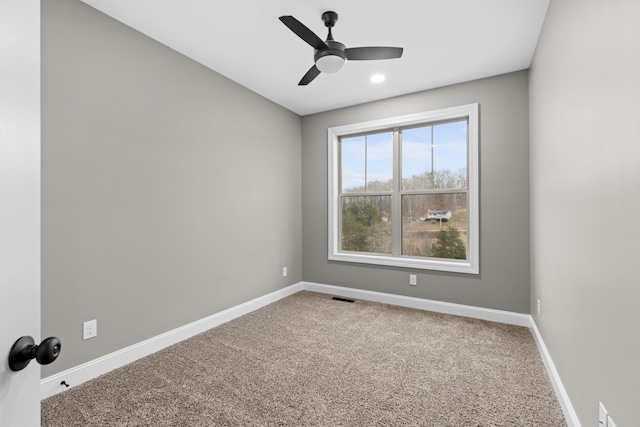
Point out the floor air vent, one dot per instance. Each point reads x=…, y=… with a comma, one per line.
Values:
x=343, y=299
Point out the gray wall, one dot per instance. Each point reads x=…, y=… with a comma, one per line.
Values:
x=503, y=282
x=169, y=192
x=585, y=199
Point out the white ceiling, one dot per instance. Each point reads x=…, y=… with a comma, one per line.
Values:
x=445, y=42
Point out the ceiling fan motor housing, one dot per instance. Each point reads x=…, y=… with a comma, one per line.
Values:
x=330, y=60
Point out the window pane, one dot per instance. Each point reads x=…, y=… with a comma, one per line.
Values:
x=366, y=224
x=435, y=225
x=367, y=163
x=435, y=157
x=379, y=161
x=352, y=156
x=416, y=159
x=450, y=155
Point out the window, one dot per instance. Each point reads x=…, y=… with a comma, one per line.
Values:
x=404, y=191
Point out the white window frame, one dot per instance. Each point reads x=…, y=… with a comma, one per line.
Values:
x=470, y=265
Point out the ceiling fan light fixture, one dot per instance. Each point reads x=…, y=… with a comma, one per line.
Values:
x=330, y=63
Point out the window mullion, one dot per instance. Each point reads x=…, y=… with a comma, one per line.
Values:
x=366, y=163
x=396, y=198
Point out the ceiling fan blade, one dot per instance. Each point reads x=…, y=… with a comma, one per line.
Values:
x=303, y=32
x=370, y=53
x=311, y=74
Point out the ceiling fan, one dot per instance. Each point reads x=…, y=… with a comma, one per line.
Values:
x=330, y=55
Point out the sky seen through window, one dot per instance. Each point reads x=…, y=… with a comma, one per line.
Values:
x=369, y=158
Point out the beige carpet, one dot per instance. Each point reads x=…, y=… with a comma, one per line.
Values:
x=308, y=360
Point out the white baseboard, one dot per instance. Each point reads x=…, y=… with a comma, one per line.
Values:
x=561, y=393
x=94, y=368
x=50, y=386
x=422, y=304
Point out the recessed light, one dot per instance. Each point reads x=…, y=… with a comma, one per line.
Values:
x=377, y=78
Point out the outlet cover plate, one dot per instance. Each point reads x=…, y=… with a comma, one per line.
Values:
x=90, y=329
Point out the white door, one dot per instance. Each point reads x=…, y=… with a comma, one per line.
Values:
x=19, y=205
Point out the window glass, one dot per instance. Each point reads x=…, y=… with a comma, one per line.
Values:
x=435, y=157
x=353, y=163
x=435, y=225
x=367, y=163
x=366, y=224
x=417, y=160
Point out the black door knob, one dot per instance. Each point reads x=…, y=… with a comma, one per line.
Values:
x=26, y=349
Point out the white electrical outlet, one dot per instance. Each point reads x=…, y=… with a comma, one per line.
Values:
x=284, y=272
x=413, y=280
x=538, y=307
x=90, y=329
x=602, y=416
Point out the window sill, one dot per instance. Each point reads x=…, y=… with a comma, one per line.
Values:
x=453, y=266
